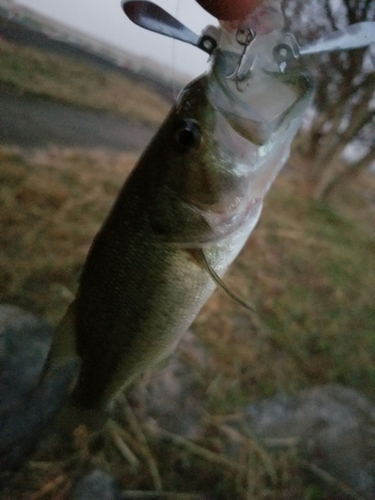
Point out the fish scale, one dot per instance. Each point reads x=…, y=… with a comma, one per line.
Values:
x=179, y=221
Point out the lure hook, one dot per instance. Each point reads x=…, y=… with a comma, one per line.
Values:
x=244, y=37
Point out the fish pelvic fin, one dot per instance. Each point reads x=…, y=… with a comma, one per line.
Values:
x=202, y=259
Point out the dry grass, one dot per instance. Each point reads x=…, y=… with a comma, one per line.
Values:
x=61, y=196
x=72, y=81
x=309, y=269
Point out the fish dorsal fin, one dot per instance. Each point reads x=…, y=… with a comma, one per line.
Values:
x=220, y=283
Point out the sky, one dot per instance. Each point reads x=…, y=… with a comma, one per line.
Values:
x=106, y=20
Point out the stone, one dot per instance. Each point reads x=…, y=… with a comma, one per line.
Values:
x=173, y=396
x=97, y=485
x=27, y=406
x=335, y=427
x=24, y=343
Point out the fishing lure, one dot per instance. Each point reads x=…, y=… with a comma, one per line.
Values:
x=188, y=206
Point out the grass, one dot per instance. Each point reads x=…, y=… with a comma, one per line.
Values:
x=310, y=271
x=63, y=195
x=308, y=268
x=69, y=80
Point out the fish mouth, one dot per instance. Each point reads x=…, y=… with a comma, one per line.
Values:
x=244, y=119
x=259, y=112
x=256, y=105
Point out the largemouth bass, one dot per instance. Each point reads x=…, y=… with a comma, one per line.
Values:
x=190, y=204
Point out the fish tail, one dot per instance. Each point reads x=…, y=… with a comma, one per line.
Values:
x=62, y=353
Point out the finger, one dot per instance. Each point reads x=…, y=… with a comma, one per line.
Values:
x=229, y=9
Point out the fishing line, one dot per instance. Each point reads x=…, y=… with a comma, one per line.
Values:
x=174, y=89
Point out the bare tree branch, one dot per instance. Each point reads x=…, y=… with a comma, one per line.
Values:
x=345, y=87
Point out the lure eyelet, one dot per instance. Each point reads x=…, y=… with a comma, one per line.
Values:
x=188, y=135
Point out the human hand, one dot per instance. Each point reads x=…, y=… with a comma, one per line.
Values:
x=229, y=9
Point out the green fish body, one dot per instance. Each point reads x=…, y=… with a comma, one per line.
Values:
x=198, y=187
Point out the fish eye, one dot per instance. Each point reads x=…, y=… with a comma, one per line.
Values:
x=188, y=135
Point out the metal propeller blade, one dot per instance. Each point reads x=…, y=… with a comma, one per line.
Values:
x=353, y=36
x=153, y=18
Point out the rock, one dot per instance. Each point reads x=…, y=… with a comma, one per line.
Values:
x=173, y=396
x=335, y=426
x=26, y=406
x=24, y=343
x=97, y=485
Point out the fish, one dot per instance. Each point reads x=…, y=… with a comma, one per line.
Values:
x=181, y=218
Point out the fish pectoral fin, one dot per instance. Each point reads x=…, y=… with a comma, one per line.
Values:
x=200, y=256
